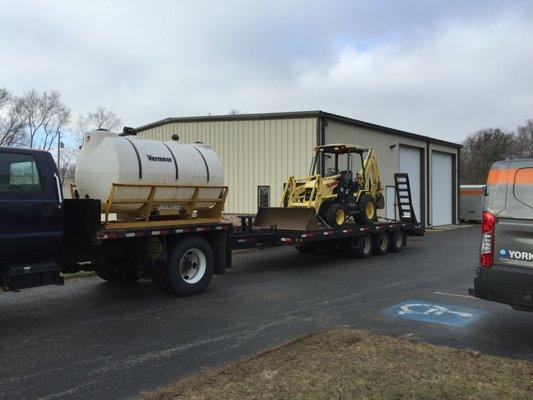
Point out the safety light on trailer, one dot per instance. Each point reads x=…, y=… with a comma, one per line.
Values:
x=486, y=252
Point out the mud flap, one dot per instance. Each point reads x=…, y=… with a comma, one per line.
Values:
x=300, y=219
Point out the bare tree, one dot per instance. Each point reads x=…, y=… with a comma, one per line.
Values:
x=44, y=116
x=523, y=146
x=234, y=111
x=67, y=164
x=99, y=119
x=103, y=119
x=78, y=129
x=56, y=123
x=480, y=150
x=11, y=121
x=5, y=96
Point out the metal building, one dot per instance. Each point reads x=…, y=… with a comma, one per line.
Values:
x=260, y=151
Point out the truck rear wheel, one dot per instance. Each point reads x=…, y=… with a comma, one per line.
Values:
x=397, y=240
x=359, y=247
x=189, y=269
x=381, y=243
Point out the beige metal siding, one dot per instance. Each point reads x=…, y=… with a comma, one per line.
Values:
x=253, y=152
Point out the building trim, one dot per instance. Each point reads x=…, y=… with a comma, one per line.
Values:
x=454, y=189
x=297, y=114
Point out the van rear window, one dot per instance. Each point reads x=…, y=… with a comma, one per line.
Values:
x=523, y=186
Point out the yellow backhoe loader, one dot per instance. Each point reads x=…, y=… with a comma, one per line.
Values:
x=330, y=199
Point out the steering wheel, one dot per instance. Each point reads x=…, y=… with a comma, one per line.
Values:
x=332, y=171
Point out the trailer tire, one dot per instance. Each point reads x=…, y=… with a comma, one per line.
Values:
x=381, y=243
x=359, y=247
x=397, y=241
x=118, y=276
x=189, y=269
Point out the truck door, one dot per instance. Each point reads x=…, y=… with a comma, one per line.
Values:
x=30, y=207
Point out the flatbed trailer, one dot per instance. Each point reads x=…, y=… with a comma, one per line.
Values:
x=261, y=238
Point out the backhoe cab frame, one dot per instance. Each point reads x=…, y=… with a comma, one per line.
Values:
x=337, y=195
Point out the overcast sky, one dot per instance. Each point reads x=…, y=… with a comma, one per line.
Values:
x=439, y=68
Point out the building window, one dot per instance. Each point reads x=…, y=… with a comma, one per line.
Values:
x=263, y=196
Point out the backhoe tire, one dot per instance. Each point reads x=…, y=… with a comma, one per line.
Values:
x=381, y=243
x=189, y=269
x=368, y=213
x=336, y=215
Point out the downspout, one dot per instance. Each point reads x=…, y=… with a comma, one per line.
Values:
x=321, y=124
x=429, y=190
x=457, y=189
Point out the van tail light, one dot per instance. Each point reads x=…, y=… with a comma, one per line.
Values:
x=486, y=252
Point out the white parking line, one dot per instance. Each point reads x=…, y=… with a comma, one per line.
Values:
x=455, y=295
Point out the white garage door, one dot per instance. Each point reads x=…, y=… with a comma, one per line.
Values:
x=441, y=189
x=410, y=163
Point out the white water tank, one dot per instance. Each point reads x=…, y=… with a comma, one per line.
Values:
x=107, y=158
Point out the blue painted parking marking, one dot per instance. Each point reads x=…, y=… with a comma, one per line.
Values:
x=435, y=313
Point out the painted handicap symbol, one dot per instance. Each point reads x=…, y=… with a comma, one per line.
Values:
x=434, y=313
x=427, y=309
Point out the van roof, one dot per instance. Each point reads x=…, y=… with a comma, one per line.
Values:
x=525, y=162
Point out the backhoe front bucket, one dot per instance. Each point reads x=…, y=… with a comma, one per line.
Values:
x=300, y=219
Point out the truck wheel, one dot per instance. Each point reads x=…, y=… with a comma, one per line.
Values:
x=397, y=240
x=336, y=215
x=189, y=270
x=359, y=247
x=307, y=248
x=381, y=243
x=128, y=276
x=368, y=214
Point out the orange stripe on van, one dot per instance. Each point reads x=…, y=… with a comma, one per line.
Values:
x=470, y=192
x=499, y=176
x=524, y=176
x=520, y=176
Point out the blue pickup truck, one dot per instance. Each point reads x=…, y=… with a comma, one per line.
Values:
x=42, y=235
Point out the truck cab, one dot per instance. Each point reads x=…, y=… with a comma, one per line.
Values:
x=505, y=271
x=31, y=228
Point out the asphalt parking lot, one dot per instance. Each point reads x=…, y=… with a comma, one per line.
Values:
x=90, y=339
